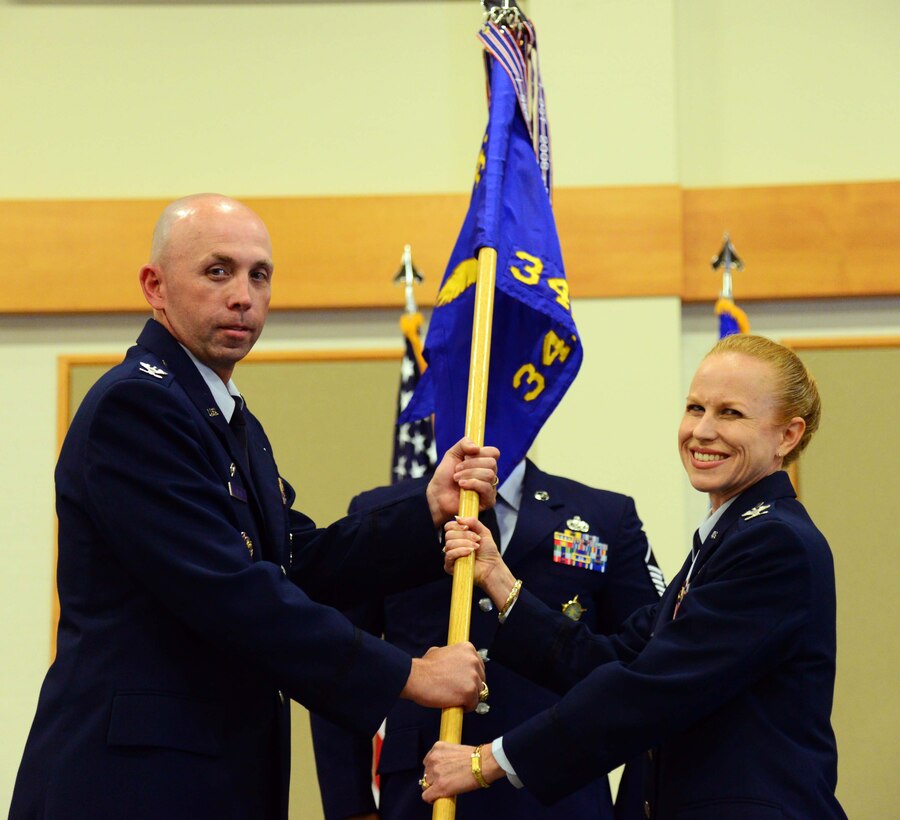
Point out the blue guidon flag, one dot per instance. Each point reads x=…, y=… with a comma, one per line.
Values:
x=535, y=350
x=731, y=318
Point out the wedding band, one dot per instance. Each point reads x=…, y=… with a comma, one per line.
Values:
x=496, y=481
x=423, y=782
x=483, y=694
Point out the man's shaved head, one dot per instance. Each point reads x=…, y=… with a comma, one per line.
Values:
x=175, y=213
x=209, y=277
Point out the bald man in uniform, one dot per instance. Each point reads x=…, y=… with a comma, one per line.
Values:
x=194, y=601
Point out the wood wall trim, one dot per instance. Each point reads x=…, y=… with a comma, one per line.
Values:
x=841, y=342
x=802, y=241
x=332, y=355
x=797, y=241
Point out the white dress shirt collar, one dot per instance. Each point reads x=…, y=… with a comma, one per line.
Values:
x=223, y=394
x=712, y=518
x=509, y=499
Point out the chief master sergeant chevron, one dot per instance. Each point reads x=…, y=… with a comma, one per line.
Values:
x=193, y=599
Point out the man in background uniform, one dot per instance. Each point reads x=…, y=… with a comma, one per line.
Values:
x=580, y=549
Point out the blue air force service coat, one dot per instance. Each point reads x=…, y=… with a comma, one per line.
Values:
x=729, y=696
x=188, y=591
x=417, y=619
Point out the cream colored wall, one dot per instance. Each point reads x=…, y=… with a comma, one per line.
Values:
x=107, y=100
x=611, y=95
x=615, y=426
x=282, y=99
x=787, y=91
x=343, y=98
x=314, y=98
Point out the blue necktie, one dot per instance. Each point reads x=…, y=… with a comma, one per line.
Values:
x=239, y=426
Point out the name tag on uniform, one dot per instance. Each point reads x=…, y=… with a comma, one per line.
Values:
x=237, y=491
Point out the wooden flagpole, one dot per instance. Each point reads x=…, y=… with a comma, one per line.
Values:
x=463, y=570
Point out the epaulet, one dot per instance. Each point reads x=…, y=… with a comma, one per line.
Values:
x=148, y=370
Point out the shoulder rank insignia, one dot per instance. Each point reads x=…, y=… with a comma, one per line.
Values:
x=759, y=509
x=577, y=524
x=153, y=370
x=573, y=609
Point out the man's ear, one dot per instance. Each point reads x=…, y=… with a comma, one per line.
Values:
x=152, y=286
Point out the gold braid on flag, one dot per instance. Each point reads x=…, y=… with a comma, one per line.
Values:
x=411, y=324
x=729, y=308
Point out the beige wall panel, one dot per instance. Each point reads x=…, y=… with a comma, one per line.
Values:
x=848, y=483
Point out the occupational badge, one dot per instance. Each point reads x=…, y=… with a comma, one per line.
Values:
x=235, y=488
x=575, y=523
x=573, y=609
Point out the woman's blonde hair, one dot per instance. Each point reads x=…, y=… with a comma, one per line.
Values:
x=796, y=393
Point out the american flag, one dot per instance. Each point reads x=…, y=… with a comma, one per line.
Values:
x=414, y=454
x=414, y=451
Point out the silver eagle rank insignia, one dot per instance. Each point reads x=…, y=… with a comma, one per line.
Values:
x=754, y=512
x=153, y=370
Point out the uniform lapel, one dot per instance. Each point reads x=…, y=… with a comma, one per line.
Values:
x=666, y=609
x=751, y=501
x=158, y=340
x=265, y=479
x=240, y=480
x=541, y=510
